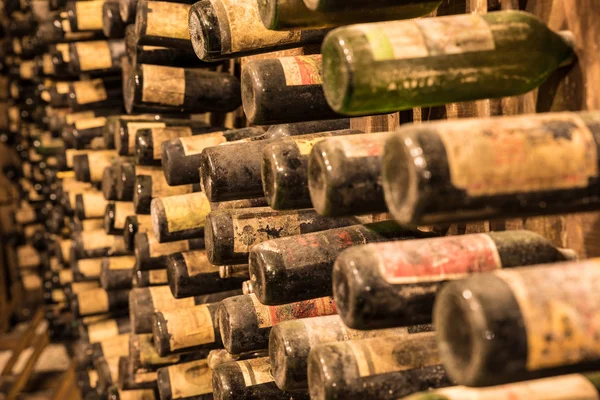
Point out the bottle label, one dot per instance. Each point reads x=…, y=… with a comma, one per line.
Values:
x=196, y=262
x=157, y=277
x=96, y=240
x=565, y=387
x=163, y=300
x=90, y=123
x=302, y=70
x=162, y=249
x=93, y=55
x=133, y=127
x=436, y=260
x=169, y=20
x=560, y=306
x=256, y=371
x=246, y=30
x=363, y=146
x=98, y=160
x=332, y=329
x=90, y=91
x=190, y=379
x=164, y=134
x=89, y=267
x=101, y=330
x=186, y=212
x=428, y=37
x=517, y=155
x=190, y=327
x=249, y=229
x=305, y=146
x=272, y=315
x=123, y=209
x=196, y=144
x=93, y=301
x=70, y=118
x=121, y=263
x=89, y=15
x=163, y=85
x=381, y=356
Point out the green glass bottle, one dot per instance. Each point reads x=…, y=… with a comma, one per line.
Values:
x=390, y=66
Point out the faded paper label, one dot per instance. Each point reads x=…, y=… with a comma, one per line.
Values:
x=190, y=327
x=132, y=128
x=196, y=144
x=161, y=135
x=89, y=91
x=89, y=267
x=186, y=211
x=305, y=146
x=90, y=123
x=163, y=300
x=190, y=379
x=123, y=209
x=166, y=19
x=272, y=315
x=302, y=70
x=157, y=276
x=256, y=371
x=247, y=231
x=102, y=330
x=93, y=55
x=94, y=301
x=96, y=240
x=121, y=262
x=196, y=262
x=89, y=15
x=163, y=85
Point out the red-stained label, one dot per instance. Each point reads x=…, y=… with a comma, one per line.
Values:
x=439, y=259
x=272, y=315
x=302, y=70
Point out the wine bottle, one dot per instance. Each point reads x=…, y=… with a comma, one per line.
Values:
x=143, y=354
x=249, y=379
x=108, y=373
x=96, y=57
x=179, y=217
x=111, y=347
x=114, y=216
x=495, y=59
x=151, y=254
x=291, y=341
x=150, y=183
x=83, y=16
x=181, y=156
x=112, y=24
x=109, y=328
x=125, y=174
x=109, y=181
x=161, y=23
x=286, y=89
x=158, y=88
x=229, y=234
x=73, y=288
x=344, y=175
x=95, y=93
x=296, y=14
x=90, y=244
x=186, y=381
x=221, y=356
x=90, y=166
x=117, y=272
x=381, y=368
x=191, y=274
x=144, y=302
x=186, y=329
x=134, y=224
x=62, y=249
x=130, y=379
x=243, y=31
x=148, y=142
x=82, y=132
x=485, y=177
x=519, y=308
x=583, y=386
x=407, y=275
x=284, y=171
x=233, y=171
x=97, y=301
x=153, y=277
x=279, y=269
x=86, y=269
x=245, y=323
x=89, y=205
x=234, y=271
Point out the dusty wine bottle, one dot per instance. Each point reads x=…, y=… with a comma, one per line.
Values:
x=295, y=14
x=234, y=271
x=112, y=24
x=90, y=244
x=179, y=217
x=233, y=171
x=148, y=142
x=150, y=183
x=186, y=329
x=125, y=175
x=150, y=254
x=153, y=277
x=223, y=29
x=98, y=301
x=80, y=134
x=132, y=379
x=519, y=308
x=394, y=284
x=245, y=323
x=494, y=57
x=383, y=367
x=96, y=57
x=249, y=379
x=300, y=267
x=290, y=343
x=191, y=274
x=90, y=205
x=101, y=330
x=144, y=302
x=181, y=156
x=186, y=381
x=286, y=89
x=134, y=224
x=117, y=272
x=86, y=269
x=114, y=216
x=90, y=165
x=83, y=16
x=152, y=28
x=550, y=166
x=157, y=88
x=109, y=182
x=344, y=175
x=284, y=172
x=143, y=354
x=95, y=93
x=584, y=386
x=229, y=234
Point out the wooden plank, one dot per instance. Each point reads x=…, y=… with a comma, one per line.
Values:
x=26, y=341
